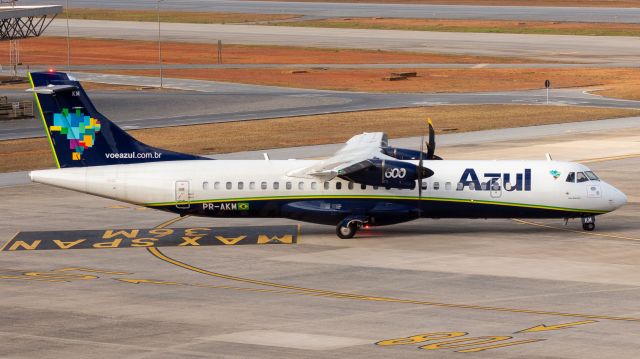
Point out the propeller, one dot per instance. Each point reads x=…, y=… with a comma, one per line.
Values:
x=420, y=169
x=431, y=145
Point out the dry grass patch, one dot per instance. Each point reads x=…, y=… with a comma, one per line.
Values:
x=578, y=3
x=320, y=129
x=629, y=91
x=482, y=26
x=428, y=80
x=46, y=51
x=172, y=16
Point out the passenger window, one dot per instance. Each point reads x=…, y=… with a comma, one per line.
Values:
x=507, y=186
x=263, y=185
x=338, y=185
x=276, y=185
x=436, y=186
x=300, y=185
x=288, y=185
x=424, y=185
x=447, y=186
x=216, y=185
x=571, y=177
x=326, y=185
x=484, y=186
x=375, y=187
x=581, y=177
x=472, y=186
x=252, y=185
x=363, y=187
x=459, y=186
x=350, y=185
x=240, y=185
x=314, y=185
x=205, y=185
x=229, y=185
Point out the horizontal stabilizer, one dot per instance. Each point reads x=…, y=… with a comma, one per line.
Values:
x=51, y=89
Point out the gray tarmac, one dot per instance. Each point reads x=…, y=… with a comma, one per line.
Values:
x=323, y=10
x=201, y=102
x=503, y=288
x=542, y=48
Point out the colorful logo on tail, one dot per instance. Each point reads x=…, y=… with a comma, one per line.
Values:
x=80, y=130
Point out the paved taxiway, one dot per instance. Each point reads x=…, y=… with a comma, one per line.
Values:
x=493, y=279
x=567, y=48
x=211, y=101
x=321, y=10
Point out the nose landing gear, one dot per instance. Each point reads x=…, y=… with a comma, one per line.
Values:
x=589, y=223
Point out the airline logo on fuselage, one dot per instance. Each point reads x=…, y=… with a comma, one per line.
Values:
x=496, y=180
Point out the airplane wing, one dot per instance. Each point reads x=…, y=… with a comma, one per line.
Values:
x=354, y=156
x=364, y=160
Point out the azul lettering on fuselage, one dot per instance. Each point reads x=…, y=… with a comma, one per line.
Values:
x=496, y=180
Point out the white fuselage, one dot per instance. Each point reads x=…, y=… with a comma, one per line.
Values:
x=207, y=184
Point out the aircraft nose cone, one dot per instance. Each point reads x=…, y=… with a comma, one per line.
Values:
x=617, y=198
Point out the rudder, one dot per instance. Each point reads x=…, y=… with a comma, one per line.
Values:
x=81, y=136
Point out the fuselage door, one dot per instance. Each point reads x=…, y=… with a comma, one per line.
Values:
x=182, y=195
x=496, y=188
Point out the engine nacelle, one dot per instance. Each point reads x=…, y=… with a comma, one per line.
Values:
x=393, y=174
x=403, y=153
x=407, y=154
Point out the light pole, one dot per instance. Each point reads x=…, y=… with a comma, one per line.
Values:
x=159, y=43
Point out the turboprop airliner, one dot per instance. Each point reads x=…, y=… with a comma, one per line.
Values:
x=366, y=183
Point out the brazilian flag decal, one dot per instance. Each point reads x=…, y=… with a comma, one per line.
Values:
x=243, y=206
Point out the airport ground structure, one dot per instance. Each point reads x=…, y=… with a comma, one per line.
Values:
x=82, y=278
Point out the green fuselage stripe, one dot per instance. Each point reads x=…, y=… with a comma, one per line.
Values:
x=411, y=198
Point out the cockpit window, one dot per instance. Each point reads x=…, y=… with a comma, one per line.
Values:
x=571, y=177
x=592, y=176
x=581, y=177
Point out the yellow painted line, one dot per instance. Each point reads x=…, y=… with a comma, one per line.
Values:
x=8, y=241
x=522, y=221
x=170, y=222
x=319, y=292
x=546, y=328
x=610, y=158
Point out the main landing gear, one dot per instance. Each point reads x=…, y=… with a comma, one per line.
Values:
x=589, y=223
x=349, y=226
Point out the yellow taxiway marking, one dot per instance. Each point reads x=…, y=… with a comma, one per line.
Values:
x=327, y=293
x=522, y=221
x=546, y=328
x=610, y=158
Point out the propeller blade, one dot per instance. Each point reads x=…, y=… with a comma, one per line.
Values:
x=431, y=146
x=420, y=168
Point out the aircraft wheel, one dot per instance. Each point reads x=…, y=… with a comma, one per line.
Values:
x=348, y=231
x=589, y=223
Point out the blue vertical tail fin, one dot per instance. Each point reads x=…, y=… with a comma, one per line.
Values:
x=81, y=136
